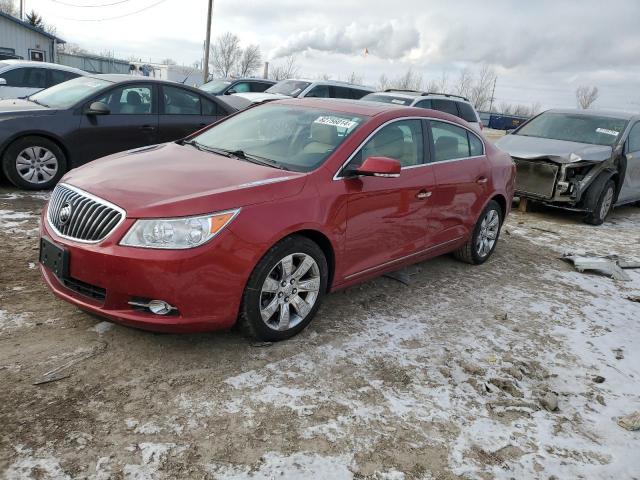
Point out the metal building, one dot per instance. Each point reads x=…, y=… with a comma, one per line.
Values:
x=21, y=40
x=94, y=63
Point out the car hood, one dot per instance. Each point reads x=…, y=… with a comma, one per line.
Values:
x=172, y=180
x=15, y=106
x=560, y=151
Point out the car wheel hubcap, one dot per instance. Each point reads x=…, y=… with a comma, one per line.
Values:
x=36, y=165
x=488, y=233
x=290, y=291
x=606, y=203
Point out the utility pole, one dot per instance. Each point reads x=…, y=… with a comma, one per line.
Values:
x=207, y=42
x=493, y=94
x=21, y=9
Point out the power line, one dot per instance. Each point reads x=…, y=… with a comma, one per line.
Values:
x=113, y=18
x=90, y=6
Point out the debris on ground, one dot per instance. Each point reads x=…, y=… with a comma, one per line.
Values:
x=550, y=402
x=630, y=422
x=598, y=379
x=59, y=373
x=619, y=353
x=608, y=266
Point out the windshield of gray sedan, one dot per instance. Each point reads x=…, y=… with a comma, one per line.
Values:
x=374, y=97
x=291, y=88
x=288, y=137
x=215, y=86
x=67, y=94
x=579, y=128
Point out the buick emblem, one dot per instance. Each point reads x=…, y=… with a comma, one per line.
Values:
x=65, y=213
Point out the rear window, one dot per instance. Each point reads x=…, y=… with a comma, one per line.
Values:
x=466, y=112
x=374, y=97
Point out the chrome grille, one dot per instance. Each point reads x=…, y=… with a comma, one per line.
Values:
x=89, y=219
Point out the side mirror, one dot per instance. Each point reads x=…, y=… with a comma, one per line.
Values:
x=379, y=167
x=231, y=91
x=98, y=108
x=3, y=81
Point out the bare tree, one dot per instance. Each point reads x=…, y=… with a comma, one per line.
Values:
x=585, y=96
x=35, y=20
x=8, y=7
x=354, y=78
x=75, y=49
x=480, y=93
x=324, y=76
x=225, y=54
x=288, y=69
x=383, y=82
x=465, y=83
x=408, y=81
x=250, y=61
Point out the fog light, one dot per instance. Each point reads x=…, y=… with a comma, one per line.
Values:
x=157, y=307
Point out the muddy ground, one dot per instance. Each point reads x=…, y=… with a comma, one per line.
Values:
x=445, y=378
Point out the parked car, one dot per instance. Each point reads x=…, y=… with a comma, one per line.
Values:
x=308, y=88
x=228, y=86
x=585, y=160
x=263, y=213
x=453, y=104
x=20, y=78
x=62, y=127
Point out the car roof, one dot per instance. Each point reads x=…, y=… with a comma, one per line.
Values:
x=123, y=77
x=597, y=113
x=415, y=94
x=31, y=64
x=356, y=107
x=337, y=83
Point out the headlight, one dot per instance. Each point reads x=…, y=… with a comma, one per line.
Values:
x=177, y=233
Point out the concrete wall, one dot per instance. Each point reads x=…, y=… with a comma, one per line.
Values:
x=22, y=39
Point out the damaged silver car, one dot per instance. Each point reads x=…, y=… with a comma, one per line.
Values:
x=584, y=160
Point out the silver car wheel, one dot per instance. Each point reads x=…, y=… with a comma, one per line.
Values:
x=606, y=203
x=488, y=233
x=36, y=165
x=290, y=291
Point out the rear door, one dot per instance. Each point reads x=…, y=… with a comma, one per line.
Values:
x=132, y=122
x=630, y=190
x=183, y=112
x=462, y=177
x=387, y=218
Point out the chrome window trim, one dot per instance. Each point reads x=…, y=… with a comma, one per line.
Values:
x=102, y=201
x=337, y=176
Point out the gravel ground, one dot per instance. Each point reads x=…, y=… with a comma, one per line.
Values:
x=452, y=376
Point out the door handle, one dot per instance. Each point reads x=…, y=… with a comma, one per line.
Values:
x=422, y=194
x=148, y=128
x=482, y=180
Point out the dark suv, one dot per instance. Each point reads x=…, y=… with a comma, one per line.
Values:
x=227, y=86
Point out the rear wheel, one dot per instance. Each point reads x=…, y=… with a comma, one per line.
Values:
x=484, y=238
x=34, y=163
x=603, y=204
x=285, y=290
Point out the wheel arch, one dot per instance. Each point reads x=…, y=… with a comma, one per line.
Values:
x=325, y=245
x=502, y=201
x=47, y=135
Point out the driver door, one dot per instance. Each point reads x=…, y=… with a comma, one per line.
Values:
x=131, y=123
x=387, y=218
x=630, y=190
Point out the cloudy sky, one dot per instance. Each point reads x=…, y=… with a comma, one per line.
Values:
x=542, y=50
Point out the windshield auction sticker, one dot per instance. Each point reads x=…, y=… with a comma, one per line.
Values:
x=336, y=122
x=613, y=133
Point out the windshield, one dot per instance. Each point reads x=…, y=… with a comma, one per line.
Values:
x=67, y=94
x=215, y=86
x=575, y=128
x=375, y=97
x=291, y=88
x=293, y=138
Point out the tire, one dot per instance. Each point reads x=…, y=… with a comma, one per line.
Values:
x=473, y=252
x=34, y=163
x=603, y=204
x=271, y=291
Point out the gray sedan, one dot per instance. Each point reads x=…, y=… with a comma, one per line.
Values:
x=584, y=160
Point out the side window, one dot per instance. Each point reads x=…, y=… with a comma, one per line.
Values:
x=356, y=94
x=634, y=138
x=15, y=77
x=340, y=92
x=449, y=141
x=241, y=87
x=423, y=104
x=321, y=91
x=59, y=76
x=210, y=108
x=259, y=86
x=129, y=100
x=180, y=102
x=475, y=145
x=402, y=140
x=444, y=106
x=35, y=78
x=467, y=112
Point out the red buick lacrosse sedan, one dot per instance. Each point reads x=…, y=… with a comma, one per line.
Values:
x=257, y=217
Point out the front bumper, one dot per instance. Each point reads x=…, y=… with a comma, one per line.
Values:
x=205, y=283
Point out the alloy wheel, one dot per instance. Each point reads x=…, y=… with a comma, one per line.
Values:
x=606, y=203
x=488, y=233
x=36, y=165
x=289, y=291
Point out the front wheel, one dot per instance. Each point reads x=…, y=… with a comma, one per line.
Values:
x=34, y=163
x=484, y=237
x=603, y=204
x=285, y=289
